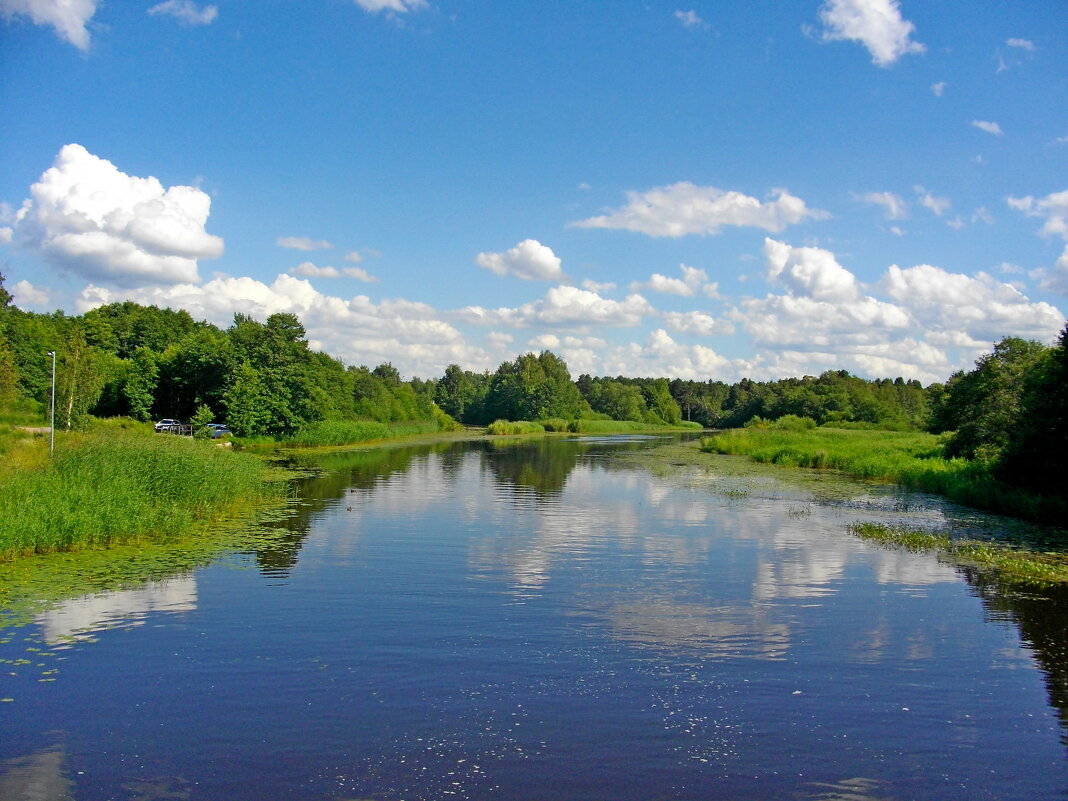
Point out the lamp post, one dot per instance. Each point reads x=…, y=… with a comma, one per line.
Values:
x=52, y=427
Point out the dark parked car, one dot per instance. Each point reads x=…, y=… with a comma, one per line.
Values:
x=217, y=430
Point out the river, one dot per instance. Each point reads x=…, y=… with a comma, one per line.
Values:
x=550, y=619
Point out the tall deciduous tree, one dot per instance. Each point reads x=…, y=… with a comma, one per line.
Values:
x=139, y=390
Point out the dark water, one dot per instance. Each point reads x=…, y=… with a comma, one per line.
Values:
x=546, y=621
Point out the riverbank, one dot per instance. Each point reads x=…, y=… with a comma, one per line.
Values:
x=912, y=459
x=119, y=484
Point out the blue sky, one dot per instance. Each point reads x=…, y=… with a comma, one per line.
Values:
x=699, y=190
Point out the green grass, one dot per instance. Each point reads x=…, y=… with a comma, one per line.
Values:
x=1010, y=563
x=121, y=484
x=583, y=426
x=353, y=432
x=514, y=428
x=912, y=459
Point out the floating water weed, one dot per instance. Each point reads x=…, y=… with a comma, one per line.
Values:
x=1010, y=563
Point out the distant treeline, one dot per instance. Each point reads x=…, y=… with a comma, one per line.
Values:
x=263, y=379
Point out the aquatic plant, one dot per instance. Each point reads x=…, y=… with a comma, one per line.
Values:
x=514, y=427
x=124, y=486
x=913, y=459
x=1010, y=563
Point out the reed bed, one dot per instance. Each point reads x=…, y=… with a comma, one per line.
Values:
x=514, y=427
x=121, y=486
x=912, y=459
x=353, y=432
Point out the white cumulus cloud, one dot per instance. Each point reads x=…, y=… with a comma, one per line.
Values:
x=67, y=17
x=28, y=296
x=876, y=24
x=566, y=307
x=687, y=286
x=86, y=216
x=980, y=307
x=684, y=208
x=1053, y=208
x=938, y=89
x=529, y=260
x=186, y=12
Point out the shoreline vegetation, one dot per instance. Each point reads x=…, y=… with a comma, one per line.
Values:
x=1011, y=564
x=121, y=483
x=912, y=459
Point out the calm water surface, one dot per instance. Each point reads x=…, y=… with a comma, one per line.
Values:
x=549, y=620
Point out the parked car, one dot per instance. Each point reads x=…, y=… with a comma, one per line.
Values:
x=217, y=430
x=167, y=424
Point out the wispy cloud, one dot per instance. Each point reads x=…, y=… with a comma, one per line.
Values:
x=690, y=19
x=1024, y=44
x=186, y=12
x=302, y=243
x=989, y=127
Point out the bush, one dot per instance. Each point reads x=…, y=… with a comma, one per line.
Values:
x=514, y=427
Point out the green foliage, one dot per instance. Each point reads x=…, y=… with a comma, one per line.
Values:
x=199, y=421
x=139, y=388
x=615, y=399
x=984, y=406
x=121, y=486
x=1036, y=452
x=1012, y=564
x=533, y=388
x=338, y=432
x=913, y=459
x=514, y=428
x=9, y=377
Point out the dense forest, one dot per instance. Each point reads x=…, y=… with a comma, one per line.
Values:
x=263, y=379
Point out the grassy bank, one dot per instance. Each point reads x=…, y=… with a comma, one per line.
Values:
x=119, y=485
x=912, y=459
x=1009, y=563
x=516, y=427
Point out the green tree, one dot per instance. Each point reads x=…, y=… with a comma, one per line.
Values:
x=454, y=392
x=662, y=407
x=199, y=421
x=247, y=402
x=1036, y=454
x=533, y=388
x=617, y=400
x=80, y=377
x=139, y=389
x=984, y=405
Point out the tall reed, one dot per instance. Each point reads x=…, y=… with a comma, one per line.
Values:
x=121, y=487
